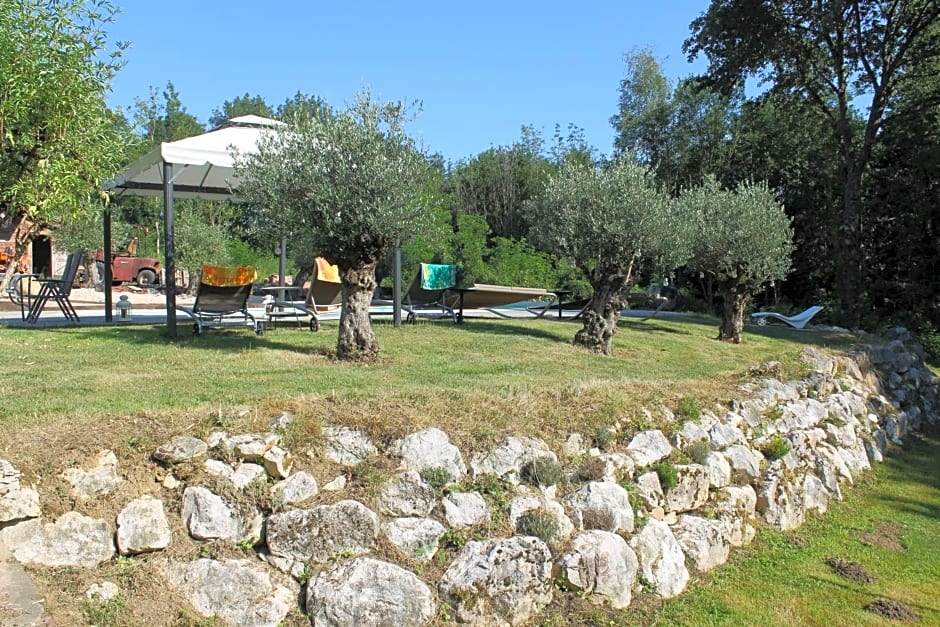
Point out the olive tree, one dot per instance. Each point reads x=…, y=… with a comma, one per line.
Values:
x=58, y=140
x=607, y=221
x=347, y=186
x=743, y=239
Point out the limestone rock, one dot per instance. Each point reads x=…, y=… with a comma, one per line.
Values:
x=347, y=446
x=499, y=582
x=277, y=462
x=817, y=360
x=602, y=565
x=691, y=489
x=662, y=562
x=650, y=490
x=102, y=591
x=815, y=495
x=648, y=447
x=608, y=467
x=465, y=509
x=73, y=540
x=319, y=533
x=690, y=432
x=207, y=516
x=745, y=463
x=142, y=527
x=415, y=537
x=366, y=592
x=16, y=501
x=736, y=506
x=180, y=448
x=337, y=484
x=233, y=590
x=506, y=460
x=779, y=502
x=717, y=469
x=602, y=505
x=100, y=480
x=705, y=542
x=240, y=476
x=249, y=447
x=431, y=448
x=296, y=489
x=406, y=494
x=724, y=435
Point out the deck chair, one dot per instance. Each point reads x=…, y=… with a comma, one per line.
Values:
x=222, y=299
x=324, y=292
x=53, y=289
x=494, y=297
x=426, y=295
x=798, y=321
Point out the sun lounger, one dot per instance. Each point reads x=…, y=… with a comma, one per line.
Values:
x=427, y=295
x=222, y=299
x=798, y=321
x=324, y=292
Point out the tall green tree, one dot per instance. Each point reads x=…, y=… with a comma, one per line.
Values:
x=743, y=239
x=831, y=52
x=351, y=184
x=59, y=142
x=498, y=182
x=240, y=105
x=607, y=221
x=644, y=110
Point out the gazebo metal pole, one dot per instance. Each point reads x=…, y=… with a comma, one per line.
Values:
x=169, y=248
x=282, y=262
x=107, y=278
x=396, y=286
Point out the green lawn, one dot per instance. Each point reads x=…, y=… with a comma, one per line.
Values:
x=126, y=387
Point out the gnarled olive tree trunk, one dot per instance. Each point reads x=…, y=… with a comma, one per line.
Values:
x=734, y=299
x=601, y=317
x=356, y=338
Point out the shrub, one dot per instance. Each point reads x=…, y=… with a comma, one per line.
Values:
x=436, y=476
x=698, y=451
x=603, y=438
x=541, y=471
x=776, y=447
x=540, y=523
x=668, y=475
x=689, y=408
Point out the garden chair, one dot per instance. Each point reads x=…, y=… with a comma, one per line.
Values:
x=51, y=289
x=324, y=292
x=426, y=295
x=798, y=321
x=222, y=299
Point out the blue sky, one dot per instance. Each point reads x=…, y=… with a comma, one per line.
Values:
x=481, y=69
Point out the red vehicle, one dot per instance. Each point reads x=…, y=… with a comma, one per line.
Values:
x=126, y=266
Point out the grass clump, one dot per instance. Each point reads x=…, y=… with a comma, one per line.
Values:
x=776, y=447
x=698, y=451
x=689, y=408
x=104, y=613
x=603, y=438
x=540, y=523
x=667, y=473
x=541, y=471
x=436, y=476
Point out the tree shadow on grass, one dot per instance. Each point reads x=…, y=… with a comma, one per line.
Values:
x=221, y=339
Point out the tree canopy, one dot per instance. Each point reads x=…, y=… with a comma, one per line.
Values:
x=742, y=238
x=607, y=222
x=58, y=140
x=346, y=187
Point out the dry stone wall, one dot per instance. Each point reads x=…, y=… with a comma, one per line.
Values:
x=604, y=524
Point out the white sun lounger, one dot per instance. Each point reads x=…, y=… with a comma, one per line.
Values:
x=798, y=321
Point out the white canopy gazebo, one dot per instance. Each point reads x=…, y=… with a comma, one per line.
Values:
x=202, y=166
x=196, y=167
